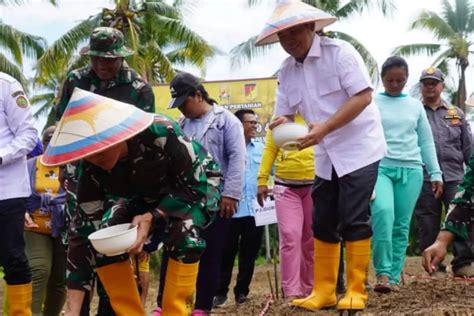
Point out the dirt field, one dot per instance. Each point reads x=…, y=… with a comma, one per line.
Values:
x=419, y=296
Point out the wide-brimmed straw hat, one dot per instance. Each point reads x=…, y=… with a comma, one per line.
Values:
x=90, y=124
x=288, y=14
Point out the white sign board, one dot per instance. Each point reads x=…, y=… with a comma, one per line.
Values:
x=265, y=215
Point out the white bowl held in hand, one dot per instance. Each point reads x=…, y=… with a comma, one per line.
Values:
x=286, y=135
x=114, y=240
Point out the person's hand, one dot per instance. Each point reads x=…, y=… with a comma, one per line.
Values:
x=29, y=223
x=433, y=255
x=143, y=256
x=437, y=187
x=143, y=223
x=262, y=194
x=316, y=134
x=278, y=120
x=228, y=207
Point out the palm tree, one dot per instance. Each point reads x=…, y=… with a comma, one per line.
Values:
x=247, y=50
x=17, y=45
x=453, y=30
x=48, y=88
x=153, y=29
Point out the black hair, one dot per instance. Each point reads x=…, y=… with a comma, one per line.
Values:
x=204, y=94
x=392, y=62
x=240, y=113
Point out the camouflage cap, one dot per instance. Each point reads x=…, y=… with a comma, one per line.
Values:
x=432, y=73
x=106, y=42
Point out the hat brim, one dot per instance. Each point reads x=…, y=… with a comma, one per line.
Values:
x=270, y=36
x=470, y=101
x=122, y=52
x=91, y=124
x=177, y=102
x=52, y=159
x=431, y=77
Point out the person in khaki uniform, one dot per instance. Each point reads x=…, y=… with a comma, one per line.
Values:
x=452, y=136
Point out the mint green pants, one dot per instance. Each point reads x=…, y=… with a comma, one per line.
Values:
x=396, y=192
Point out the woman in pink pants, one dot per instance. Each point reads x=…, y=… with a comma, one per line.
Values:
x=294, y=175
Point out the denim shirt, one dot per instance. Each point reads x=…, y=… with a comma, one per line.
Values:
x=223, y=137
x=249, y=192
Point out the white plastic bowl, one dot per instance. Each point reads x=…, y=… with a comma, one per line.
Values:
x=114, y=240
x=286, y=135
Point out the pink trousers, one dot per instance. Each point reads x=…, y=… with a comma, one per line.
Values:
x=294, y=208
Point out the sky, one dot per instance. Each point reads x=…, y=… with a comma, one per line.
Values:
x=226, y=23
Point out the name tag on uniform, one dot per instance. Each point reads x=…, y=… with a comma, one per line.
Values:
x=265, y=215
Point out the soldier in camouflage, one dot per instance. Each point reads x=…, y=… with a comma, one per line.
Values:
x=157, y=174
x=109, y=75
x=458, y=225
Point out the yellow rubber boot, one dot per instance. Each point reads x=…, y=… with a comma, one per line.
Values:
x=19, y=299
x=119, y=283
x=326, y=266
x=180, y=285
x=357, y=263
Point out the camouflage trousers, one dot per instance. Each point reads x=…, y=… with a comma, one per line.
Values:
x=181, y=239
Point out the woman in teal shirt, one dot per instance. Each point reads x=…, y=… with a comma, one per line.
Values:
x=410, y=145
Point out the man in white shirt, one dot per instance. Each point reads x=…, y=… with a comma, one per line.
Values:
x=17, y=139
x=326, y=81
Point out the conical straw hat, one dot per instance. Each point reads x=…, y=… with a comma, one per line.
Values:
x=90, y=124
x=292, y=13
x=470, y=101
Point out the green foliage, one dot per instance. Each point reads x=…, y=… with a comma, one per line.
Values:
x=153, y=29
x=247, y=51
x=453, y=29
x=18, y=45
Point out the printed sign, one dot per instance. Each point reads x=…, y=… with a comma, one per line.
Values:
x=265, y=215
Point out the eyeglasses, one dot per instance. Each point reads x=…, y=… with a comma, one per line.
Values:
x=251, y=122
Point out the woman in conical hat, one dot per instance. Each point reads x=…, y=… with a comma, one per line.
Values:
x=136, y=167
x=326, y=81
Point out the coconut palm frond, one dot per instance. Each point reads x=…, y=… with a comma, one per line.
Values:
x=64, y=47
x=161, y=9
x=247, y=51
x=387, y=7
x=430, y=21
x=13, y=70
x=417, y=49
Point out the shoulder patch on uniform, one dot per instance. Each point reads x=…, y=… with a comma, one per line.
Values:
x=22, y=101
x=17, y=93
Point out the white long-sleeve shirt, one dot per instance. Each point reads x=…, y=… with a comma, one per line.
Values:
x=17, y=138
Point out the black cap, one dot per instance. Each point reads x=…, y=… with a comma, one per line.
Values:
x=182, y=85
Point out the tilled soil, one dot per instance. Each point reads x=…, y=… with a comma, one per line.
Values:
x=420, y=295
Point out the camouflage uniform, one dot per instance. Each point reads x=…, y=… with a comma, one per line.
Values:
x=460, y=217
x=164, y=170
x=127, y=86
